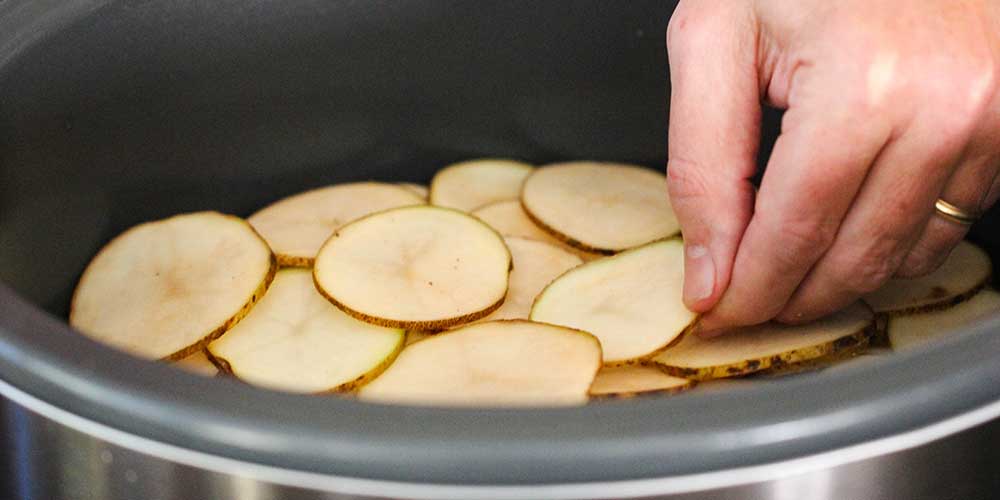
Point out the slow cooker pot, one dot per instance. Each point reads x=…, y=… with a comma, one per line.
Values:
x=116, y=112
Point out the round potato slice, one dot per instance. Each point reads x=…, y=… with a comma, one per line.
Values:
x=600, y=207
x=509, y=219
x=295, y=340
x=295, y=227
x=536, y=264
x=963, y=273
x=629, y=381
x=414, y=336
x=916, y=330
x=197, y=363
x=498, y=363
x=632, y=302
x=164, y=289
x=418, y=268
x=471, y=184
x=417, y=189
x=756, y=348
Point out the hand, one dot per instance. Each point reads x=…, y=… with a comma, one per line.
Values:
x=890, y=106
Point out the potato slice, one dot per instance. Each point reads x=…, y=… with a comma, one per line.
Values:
x=915, y=330
x=197, y=363
x=418, y=268
x=756, y=348
x=414, y=336
x=600, y=207
x=471, y=184
x=509, y=219
x=164, y=289
x=631, y=302
x=417, y=189
x=502, y=363
x=628, y=381
x=963, y=273
x=295, y=227
x=295, y=340
x=536, y=264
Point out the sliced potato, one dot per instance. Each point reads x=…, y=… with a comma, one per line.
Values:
x=628, y=381
x=164, y=289
x=536, y=264
x=631, y=302
x=600, y=207
x=916, y=330
x=413, y=336
x=417, y=189
x=418, y=268
x=295, y=227
x=507, y=363
x=295, y=340
x=509, y=219
x=198, y=363
x=756, y=348
x=471, y=184
x=963, y=273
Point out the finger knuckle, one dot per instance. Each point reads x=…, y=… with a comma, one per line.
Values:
x=868, y=269
x=801, y=241
x=920, y=262
x=687, y=180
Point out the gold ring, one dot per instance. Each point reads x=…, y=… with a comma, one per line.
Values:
x=953, y=213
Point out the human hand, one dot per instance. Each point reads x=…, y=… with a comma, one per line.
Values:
x=891, y=105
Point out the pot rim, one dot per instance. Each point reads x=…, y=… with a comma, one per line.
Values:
x=608, y=441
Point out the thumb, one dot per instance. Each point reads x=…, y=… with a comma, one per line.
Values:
x=713, y=139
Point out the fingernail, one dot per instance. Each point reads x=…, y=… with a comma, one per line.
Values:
x=699, y=282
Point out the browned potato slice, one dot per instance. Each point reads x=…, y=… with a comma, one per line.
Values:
x=964, y=272
x=600, y=207
x=295, y=340
x=756, y=348
x=919, y=329
x=295, y=227
x=497, y=363
x=628, y=381
x=418, y=268
x=471, y=184
x=632, y=301
x=164, y=289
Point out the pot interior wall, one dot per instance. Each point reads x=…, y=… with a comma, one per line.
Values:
x=140, y=110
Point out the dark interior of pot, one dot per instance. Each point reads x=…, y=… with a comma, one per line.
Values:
x=113, y=113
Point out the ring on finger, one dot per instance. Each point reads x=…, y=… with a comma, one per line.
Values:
x=954, y=214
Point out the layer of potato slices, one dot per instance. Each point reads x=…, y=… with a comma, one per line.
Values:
x=509, y=219
x=635, y=380
x=295, y=227
x=600, y=207
x=920, y=329
x=164, y=289
x=418, y=268
x=632, y=302
x=417, y=189
x=497, y=363
x=966, y=271
x=770, y=345
x=471, y=184
x=295, y=340
x=197, y=363
x=536, y=264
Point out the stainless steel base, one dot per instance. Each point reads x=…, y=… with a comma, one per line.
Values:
x=50, y=454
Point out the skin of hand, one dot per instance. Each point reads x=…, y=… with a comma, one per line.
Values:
x=890, y=105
